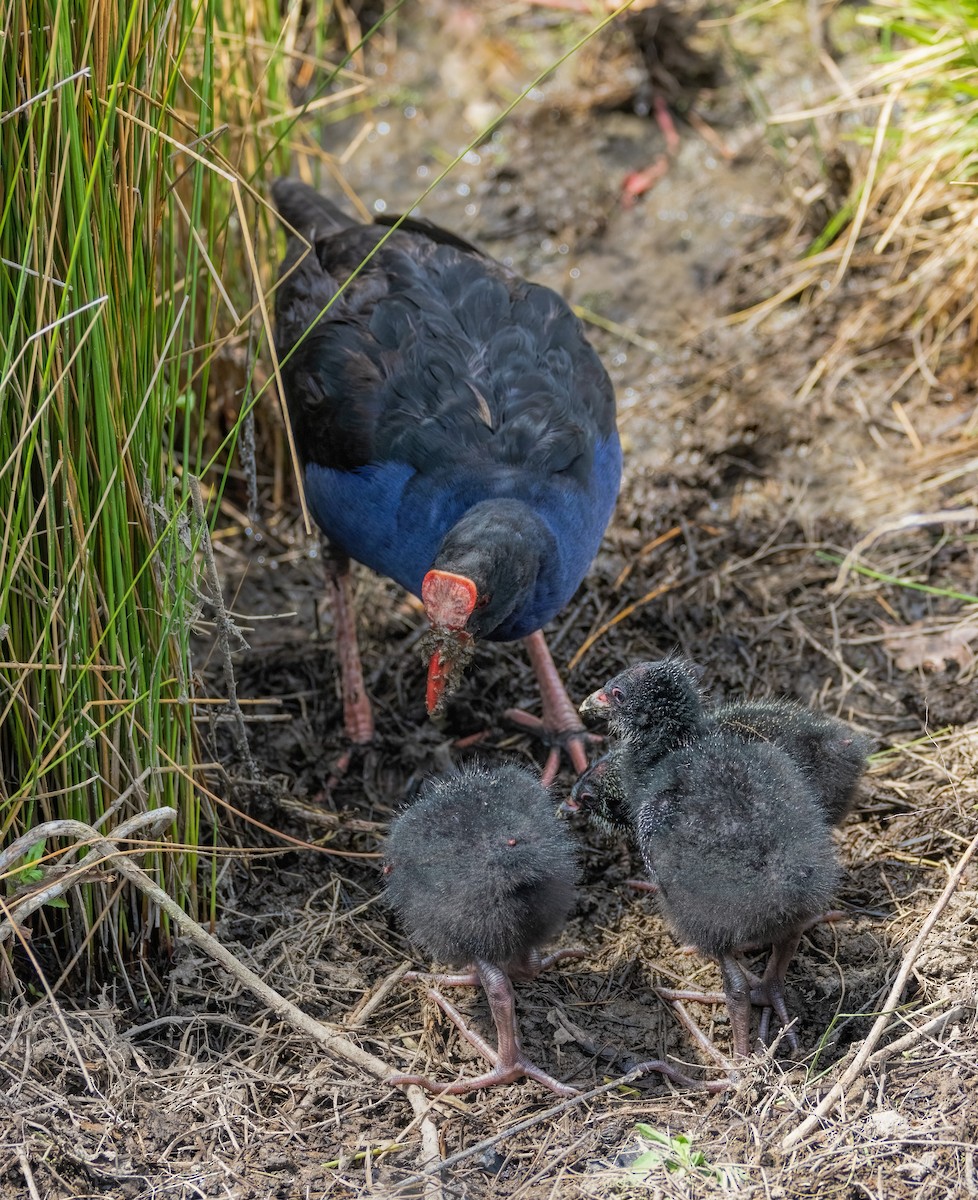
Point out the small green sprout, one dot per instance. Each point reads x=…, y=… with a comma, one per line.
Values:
x=674, y=1153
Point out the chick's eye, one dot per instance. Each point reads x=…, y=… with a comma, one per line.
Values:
x=483, y=601
x=617, y=695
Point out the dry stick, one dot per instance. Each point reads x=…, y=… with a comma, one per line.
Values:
x=922, y=1031
x=226, y=629
x=853, y=1072
x=156, y=818
x=105, y=850
x=25, y=1169
x=370, y=1003
x=520, y=1127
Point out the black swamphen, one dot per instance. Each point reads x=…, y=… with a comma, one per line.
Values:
x=480, y=871
x=457, y=434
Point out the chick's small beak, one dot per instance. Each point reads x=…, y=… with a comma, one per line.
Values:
x=596, y=706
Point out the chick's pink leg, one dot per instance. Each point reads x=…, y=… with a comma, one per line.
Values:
x=508, y=1061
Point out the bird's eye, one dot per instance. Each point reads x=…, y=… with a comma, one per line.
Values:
x=617, y=695
x=483, y=601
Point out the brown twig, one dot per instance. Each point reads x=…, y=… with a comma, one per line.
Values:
x=929, y=1029
x=102, y=847
x=105, y=850
x=372, y=1001
x=855, y=1069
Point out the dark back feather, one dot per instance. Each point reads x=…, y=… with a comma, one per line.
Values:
x=738, y=843
x=828, y=752
x=449, y=331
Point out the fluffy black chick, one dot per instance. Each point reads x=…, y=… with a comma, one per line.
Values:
x=738, y=844
x=480, y=871
x=600, y=793
x=603, y=796
x=652, y=708
x=732, y=827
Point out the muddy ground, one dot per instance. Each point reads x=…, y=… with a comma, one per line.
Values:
x=745, y=489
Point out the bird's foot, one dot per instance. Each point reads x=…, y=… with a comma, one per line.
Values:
x=571, y=741
x=624, y=1064
x=534, y=964
x=768, y=994
x=714, y=1086
x=504, y=1070
x=560, y=727
x=637, y=183
x=831, y=917
x=524, y=969
x=667, y=126
x=338, y=772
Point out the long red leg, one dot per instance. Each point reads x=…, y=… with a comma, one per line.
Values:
x=358, y=717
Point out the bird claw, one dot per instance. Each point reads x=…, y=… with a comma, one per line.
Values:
x=338, y=772
x=769, y=996
x=714, y=1086
x=625, y=1065
x=570, y=741
x=646, y=885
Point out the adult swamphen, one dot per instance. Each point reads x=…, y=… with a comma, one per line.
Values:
x=457, y=434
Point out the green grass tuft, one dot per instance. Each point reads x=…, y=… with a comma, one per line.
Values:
x=135, y=140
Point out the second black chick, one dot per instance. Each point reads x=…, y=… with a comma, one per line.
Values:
x=733, y=829
x=480, y=871
x=602, y=796
x=736, y=840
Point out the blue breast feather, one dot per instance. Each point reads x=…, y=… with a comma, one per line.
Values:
x=393, y=520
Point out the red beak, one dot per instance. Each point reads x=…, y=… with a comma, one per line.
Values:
x=439, y=673
x=448, y=602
